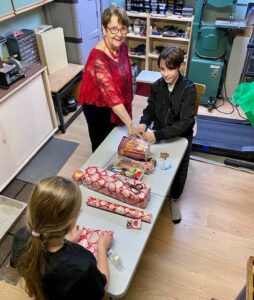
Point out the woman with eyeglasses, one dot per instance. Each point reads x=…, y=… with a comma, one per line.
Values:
x=106, y=89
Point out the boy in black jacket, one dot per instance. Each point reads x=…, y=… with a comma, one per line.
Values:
x=171, y=107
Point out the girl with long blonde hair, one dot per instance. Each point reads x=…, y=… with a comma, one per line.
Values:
x=45, y=253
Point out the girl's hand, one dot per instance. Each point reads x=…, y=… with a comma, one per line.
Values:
x=74, y=234
x=105, y=240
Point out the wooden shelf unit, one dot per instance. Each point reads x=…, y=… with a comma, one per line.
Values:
x=149, y=60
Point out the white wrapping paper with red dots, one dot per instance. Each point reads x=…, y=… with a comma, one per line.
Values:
x=119, y=209
x=106, y=183
x=89, y=239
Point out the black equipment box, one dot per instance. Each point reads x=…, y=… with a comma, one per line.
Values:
x=23, y=44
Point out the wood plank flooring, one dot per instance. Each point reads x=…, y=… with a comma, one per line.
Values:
x=204, y=256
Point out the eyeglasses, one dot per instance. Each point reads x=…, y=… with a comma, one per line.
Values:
x=115, y=30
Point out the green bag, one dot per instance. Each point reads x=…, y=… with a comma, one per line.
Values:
x=244, y=97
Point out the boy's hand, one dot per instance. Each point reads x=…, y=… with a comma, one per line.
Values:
x=149, y=136
x=141, y=128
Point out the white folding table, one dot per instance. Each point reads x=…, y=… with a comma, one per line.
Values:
x=129, y=244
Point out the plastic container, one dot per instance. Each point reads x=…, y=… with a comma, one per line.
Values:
x=126, y=167
x=244, y=97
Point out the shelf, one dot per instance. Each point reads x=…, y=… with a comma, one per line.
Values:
x=151, y=55
x=138, y=15
x=137, y=56
x=134, y=36
x=7, y=16
x=24, y=9
x=160, y=37
x=32, y=6
x=149, y=60
x=172, y=18
x=68, y=119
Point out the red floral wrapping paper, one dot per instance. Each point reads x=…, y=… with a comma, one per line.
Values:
x=106, y=182
x=89, y=239
x=120, y=209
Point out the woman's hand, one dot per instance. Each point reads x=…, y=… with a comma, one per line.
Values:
x=74, y=234
x=105, y=241
x=132, y=131
x=149, y=136
x=136, y=130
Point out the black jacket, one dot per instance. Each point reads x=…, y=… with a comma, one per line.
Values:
x=172, y=113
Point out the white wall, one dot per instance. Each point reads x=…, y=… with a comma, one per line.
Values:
x=27, y=20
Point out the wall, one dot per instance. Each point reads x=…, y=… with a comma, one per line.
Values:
x=241, y=8
x=118, y=2
x=190, y=3
x=28, y=20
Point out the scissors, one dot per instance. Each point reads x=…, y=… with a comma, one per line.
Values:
x=135, y=188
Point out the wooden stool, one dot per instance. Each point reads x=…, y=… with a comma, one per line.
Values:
x=61, y=82
x=62, y=75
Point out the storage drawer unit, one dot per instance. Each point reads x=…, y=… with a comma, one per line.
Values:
x=24, y=46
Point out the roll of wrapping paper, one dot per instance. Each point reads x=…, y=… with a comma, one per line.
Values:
x=120, y=209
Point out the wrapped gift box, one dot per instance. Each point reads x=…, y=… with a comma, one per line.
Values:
x=134, y=148
x=89, y=239
x=108, y=183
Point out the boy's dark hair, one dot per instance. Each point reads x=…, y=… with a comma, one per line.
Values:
x=173, y=57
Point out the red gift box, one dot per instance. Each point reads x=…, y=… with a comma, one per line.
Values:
x=108, y=183
x=134, y=148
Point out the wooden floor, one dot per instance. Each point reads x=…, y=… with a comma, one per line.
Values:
x=203, y=257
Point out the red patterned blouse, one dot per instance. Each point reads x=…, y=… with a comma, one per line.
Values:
x=106, y=82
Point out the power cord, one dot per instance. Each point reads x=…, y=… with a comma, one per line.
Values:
x=230, y=102
x=228, y=99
